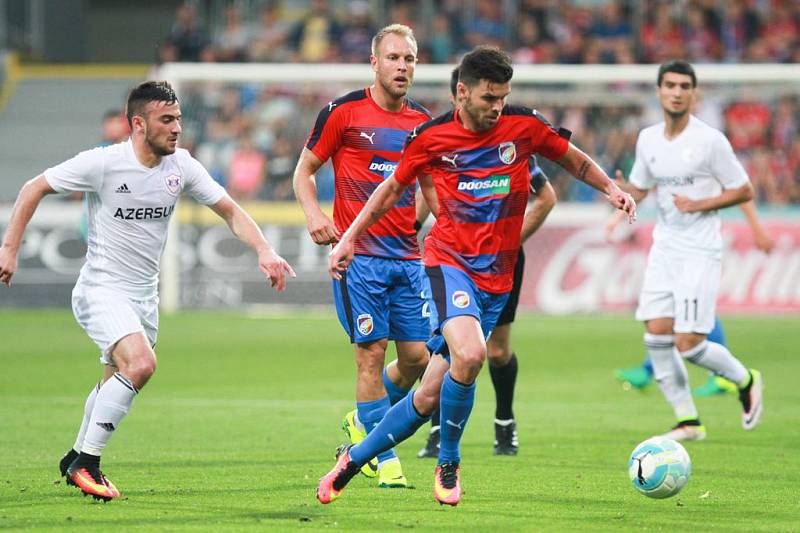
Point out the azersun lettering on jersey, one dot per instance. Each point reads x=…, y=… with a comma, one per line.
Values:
x=143, y=213
x=364, y=142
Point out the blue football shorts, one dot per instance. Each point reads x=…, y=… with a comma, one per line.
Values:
x=379, y=298
x=452, y=293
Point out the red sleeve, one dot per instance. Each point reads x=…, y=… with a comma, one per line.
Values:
x=547, y=141
x=413, y=160
x=326, y=136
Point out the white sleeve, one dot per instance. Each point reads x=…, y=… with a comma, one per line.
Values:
x=640, y=176
x=199, y=183
x=725, y=167
x=83, y=173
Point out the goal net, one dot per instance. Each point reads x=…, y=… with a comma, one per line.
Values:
x=271, y=108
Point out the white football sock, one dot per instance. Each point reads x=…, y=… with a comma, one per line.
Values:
x=718, y=359
x=670, y=374
x=111, y=405
x=88, y=407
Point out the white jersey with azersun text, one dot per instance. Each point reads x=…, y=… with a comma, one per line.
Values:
x=130, y=206
x=699, y=163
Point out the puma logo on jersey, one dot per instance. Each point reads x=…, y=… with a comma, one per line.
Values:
x=367, y=137
x=331, y=105
x=143, y=213
x=451, y=160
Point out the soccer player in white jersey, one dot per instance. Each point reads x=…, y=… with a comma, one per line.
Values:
x=132, y=188
x=695, y=173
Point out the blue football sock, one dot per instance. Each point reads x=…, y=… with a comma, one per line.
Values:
x=399, y=423
x=455, y=403
x=395, y=393
x=647, y=364
x=717, y=334
x=370, y=414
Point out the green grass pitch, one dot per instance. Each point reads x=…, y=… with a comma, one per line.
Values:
x=243, y=416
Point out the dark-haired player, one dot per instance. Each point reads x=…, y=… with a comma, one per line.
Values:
x=500, y=356
x=695, y=173
x=479, y=160
x=132, y=189
x=380, y=298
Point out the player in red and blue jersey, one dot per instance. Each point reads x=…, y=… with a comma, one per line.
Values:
x=501, y=359
x=478, y=158
x=380, y=298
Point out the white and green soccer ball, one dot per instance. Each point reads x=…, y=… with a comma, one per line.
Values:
x=659, y=467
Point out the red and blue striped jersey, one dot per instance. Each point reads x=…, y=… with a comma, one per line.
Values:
x=482, y=182
x=365, y=142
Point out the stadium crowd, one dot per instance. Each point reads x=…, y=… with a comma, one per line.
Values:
x=249, y=137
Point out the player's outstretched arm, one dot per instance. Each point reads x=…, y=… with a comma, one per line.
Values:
x=320, y=226
x=762, y=239
x=244, y=227
x=583, y=167
x=382, y=199
x=543, y=203
x=27, y=201
x=727, y=198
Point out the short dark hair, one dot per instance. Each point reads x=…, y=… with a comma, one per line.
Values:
x=454, y=82
x=677, y=66
x=144, y=93
x=485, y=63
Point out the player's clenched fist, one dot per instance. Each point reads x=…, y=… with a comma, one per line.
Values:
x=339, y=258
x=8, y=264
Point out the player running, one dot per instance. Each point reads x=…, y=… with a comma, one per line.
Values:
x=640, y=376
x=380, y=298
x=500, y=356
x=132, y=189
x=696, y=174
x=479, y=159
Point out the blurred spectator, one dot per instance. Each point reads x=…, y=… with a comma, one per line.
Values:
x=223, y=128
x=746, y=124
x=281, y=168
x=231, y=41
x=356, y=38
x=487, y=26
x=314, y=38
x=247, y=171
x=442, y=44
x=702, y=44
x=187, y=40
x=661, y=38
x=780, y=32
x=269, y=36
x=738, y=28
x=115, y=127
x=532, y=48
x=610, y=31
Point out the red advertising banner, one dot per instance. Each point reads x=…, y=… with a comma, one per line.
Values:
x=575, y=269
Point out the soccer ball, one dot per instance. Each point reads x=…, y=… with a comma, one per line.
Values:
x=659, y=467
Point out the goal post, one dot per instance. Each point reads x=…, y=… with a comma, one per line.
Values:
x=621, y=95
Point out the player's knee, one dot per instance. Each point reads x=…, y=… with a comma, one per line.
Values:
x=471, y=358
x=684, y=343
x=140, y=369
x=498, y=355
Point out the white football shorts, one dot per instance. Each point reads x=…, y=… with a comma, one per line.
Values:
x=682, y=287
x=108, y=315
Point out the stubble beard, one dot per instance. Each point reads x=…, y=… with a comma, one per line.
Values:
x=394, y=92
x=159, y=150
